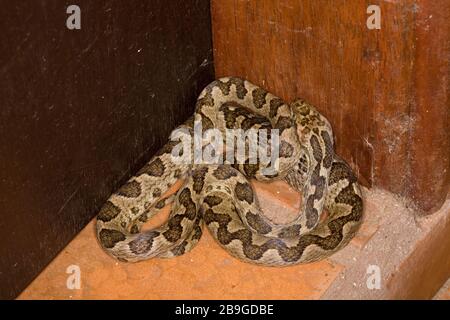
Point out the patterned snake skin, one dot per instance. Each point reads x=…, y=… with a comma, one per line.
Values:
x=221, y=196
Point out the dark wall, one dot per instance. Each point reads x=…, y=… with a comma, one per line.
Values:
x=81, y=110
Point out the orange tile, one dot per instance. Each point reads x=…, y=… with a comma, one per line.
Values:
x=444, y=292
x=280, y=203
x=207, y=272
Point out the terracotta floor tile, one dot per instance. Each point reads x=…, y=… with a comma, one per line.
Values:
x=444, y=292
x=389, y=237
x=207, y=272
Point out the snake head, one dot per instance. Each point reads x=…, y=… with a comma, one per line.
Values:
x=301, y=107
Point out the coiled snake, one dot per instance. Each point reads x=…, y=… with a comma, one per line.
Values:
x=220, y=195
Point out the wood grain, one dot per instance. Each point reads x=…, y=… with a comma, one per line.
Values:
x=385, y=91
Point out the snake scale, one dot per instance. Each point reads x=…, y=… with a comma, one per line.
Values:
x=220, y=196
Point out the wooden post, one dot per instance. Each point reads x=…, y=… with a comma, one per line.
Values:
x=384, y=90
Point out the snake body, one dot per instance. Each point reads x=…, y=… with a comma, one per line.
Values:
x=221, y=196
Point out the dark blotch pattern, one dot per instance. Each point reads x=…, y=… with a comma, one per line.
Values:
x=250, y=169
x=143, y=217
x=241, y=91
x=155, y=168
x=134, y=229
x=224, y=172
x=328, y=158
x=311, y=213
x=186, y=200
x=339, y=171
x=319, y=182
x=109, y=238
x=206, y=122
x=231, y=110
x=259, y=97
x=290, y=232
x=250, y=122
x=175, y=229
x=177, y=173
x=160, y=204
x=212, y=200
x=317, y=150
x=286, y=149
x=275, y=104
x=257, y=223
x=131, y=189
x=180, y=249
x=312, y=216
x=244, y=192
x=225, y=87
x=197, y=232
x=284, y=123
x=156, y=193
x=108, y=212
x=198, y=175
x=206, y=100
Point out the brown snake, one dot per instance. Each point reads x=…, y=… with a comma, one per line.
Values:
x=221, y=196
